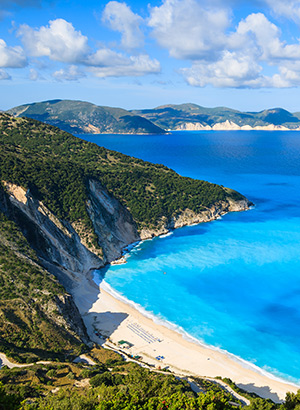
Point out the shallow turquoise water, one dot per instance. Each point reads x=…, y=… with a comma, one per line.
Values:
x=232, y=283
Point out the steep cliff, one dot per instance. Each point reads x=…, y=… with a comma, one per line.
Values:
x=60, y=245
x=37, y=317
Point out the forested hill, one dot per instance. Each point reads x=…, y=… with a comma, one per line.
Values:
x=185, y=116
x=80, y=117
x=56, y=167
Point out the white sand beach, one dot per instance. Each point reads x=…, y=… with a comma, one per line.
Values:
x=158, y=345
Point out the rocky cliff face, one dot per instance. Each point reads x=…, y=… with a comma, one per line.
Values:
x=229, y=126
x=112, y=222
x=46, y=234
x=55, y=241
x=62, y=246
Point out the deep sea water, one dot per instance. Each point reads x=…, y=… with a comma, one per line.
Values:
x=232, y=283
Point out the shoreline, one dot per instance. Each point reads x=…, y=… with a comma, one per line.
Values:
x=215, y=127
x=113, y=317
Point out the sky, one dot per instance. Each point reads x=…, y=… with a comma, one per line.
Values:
x=139, y=54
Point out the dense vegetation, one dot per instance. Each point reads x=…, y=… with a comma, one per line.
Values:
x=31, y=325
x=82, y=117
x=113, y=384
x=56, y=166
x=110, y=384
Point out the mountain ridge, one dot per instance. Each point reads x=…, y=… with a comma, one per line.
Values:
x=192, y=116
x=80, y=117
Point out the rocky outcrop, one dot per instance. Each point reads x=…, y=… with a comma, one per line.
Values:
x=112, y=222
x=229, y=126
x=62, y=246
x=54, y=240
x=189, y=217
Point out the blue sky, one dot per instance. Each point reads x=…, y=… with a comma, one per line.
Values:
x=142, y=54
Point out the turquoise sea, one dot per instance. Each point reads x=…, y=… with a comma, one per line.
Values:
x=233, y=283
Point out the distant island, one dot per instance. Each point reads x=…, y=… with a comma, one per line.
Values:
x=79, y=117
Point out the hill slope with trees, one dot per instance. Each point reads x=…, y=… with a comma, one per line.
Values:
x=80, y=117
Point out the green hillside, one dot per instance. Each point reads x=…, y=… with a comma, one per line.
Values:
x=56, y=167
x=112, y=384
x=172, y=116
x=79, y=117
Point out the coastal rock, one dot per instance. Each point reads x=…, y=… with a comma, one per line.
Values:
x=55, y=241
x=63, y=246
x=229, y=126
x=226, y=125
x=113, y=224
x=192, y=126
x=72, y=318
x=189, y=217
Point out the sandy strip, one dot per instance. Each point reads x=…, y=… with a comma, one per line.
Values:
x=111, y=317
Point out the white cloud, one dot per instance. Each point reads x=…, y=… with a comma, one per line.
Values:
x=242, y=57
x=289, y=75
x=108, y=63
x=4, y=75
x=286, y=8
x=59, y=41
x=13, y=57
x=262, y=38
x=120, y=18
x=232, y=70
x=188, y=29
x=105, y=57
x=70, y=74
x=134, y=66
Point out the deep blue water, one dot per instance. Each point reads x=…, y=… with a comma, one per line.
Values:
x=232, y=283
